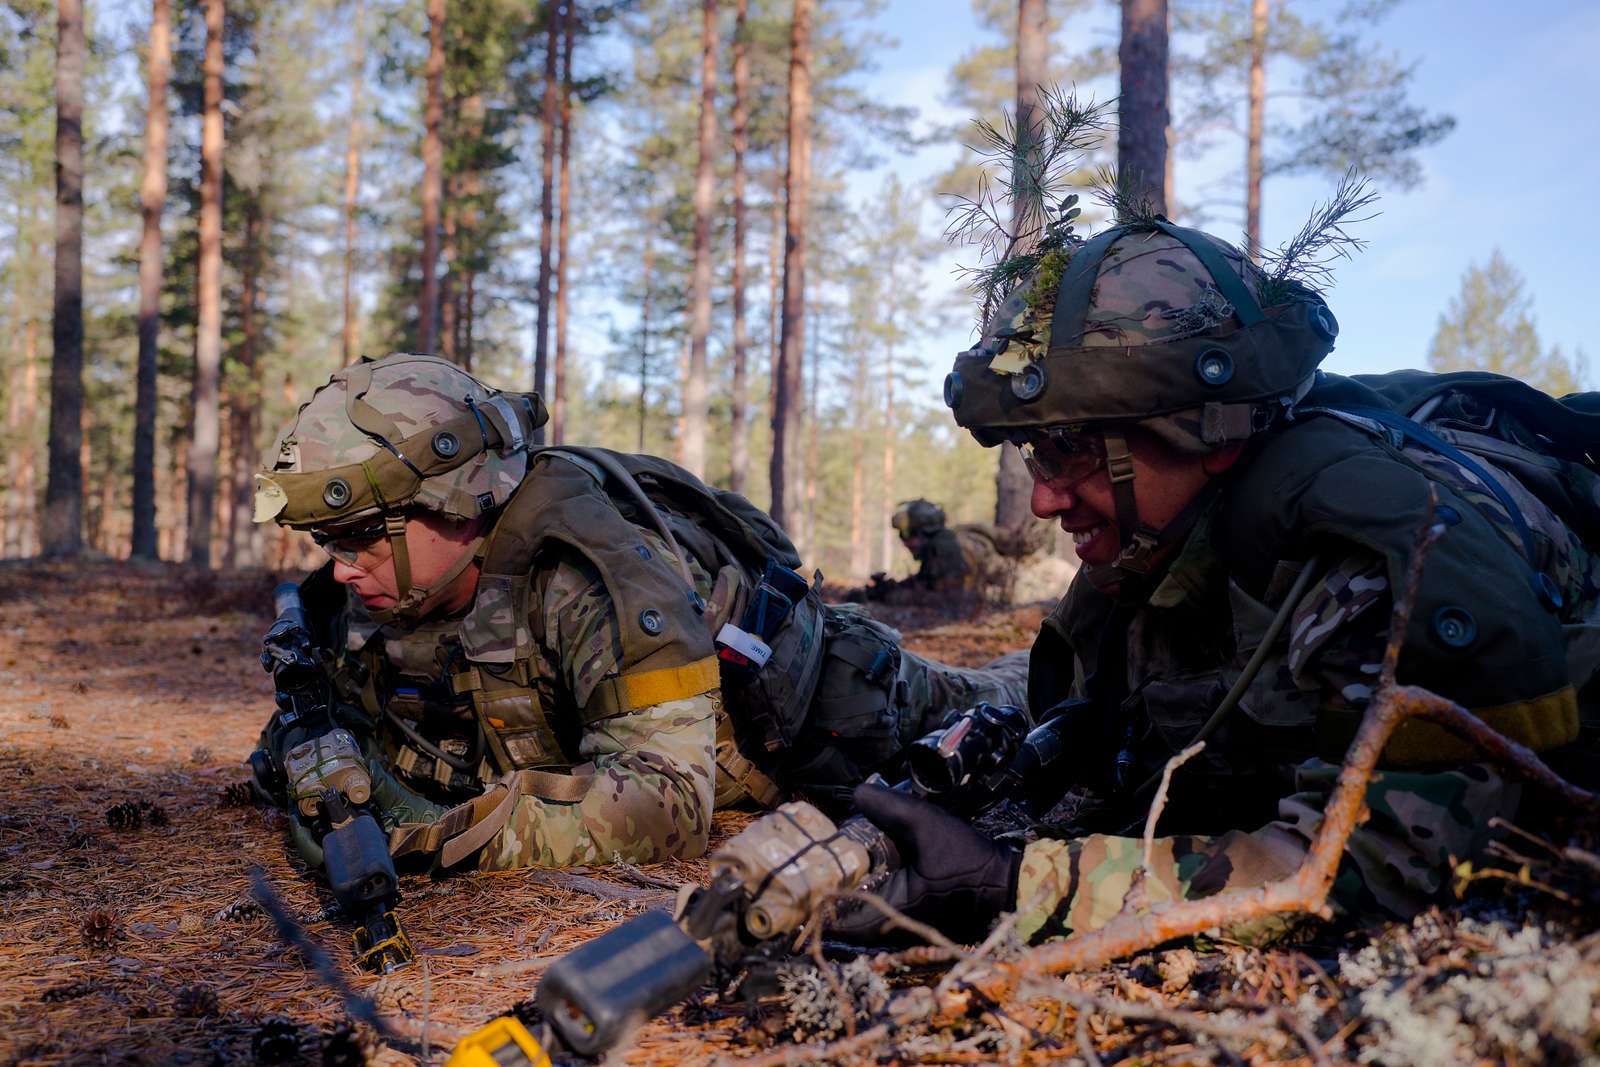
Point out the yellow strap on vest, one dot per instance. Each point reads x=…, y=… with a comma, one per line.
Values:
x=642, y=689
x=1542, y=723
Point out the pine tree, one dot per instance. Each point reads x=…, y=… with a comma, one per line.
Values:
x=1489, y=326
x=786, y=470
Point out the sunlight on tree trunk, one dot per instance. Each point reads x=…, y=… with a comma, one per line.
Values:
x=152, y=198
x=1258, y=107
x=63, y=501
x=349, y=337
x=432, y=165
x=739, y=415
x=241, y=550
x=564, y=273
x=644, y=328
x=208, y=336
x=785, y=471
x=547, y=163
x=694, y=385
x=1142, y=109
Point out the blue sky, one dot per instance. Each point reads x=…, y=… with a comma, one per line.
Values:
x=1518, y=171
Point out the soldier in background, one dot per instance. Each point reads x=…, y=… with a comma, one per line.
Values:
x=566, y=655
x=973, y=561
x=1244, y=521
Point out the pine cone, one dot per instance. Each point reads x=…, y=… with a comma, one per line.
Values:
x=238, y=795
x=239, y=911
x=342, y=1047
x=195, y=1001
x=56, y=994
x=99, y=929
x=154, y=815
x=124, y=816
x=276, y=1040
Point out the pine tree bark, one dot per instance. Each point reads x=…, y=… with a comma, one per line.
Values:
x=644, y=327
x=1142, y=110
x=63, y=500
x=890, y=435
x=240, y=550
x=1258, y=107
x=432, y=180
x=541, y=340
x=558, y=405
x=774, y=297
x=451, y=252
x=694, y=385
x=739, y=420
x=352, y=184
x=152, y=197
x=21, y=520
x=786, y=468
x=808, y=542
x=205, y=437
x=472, y=111
x=1013, y=487
x=859, y=553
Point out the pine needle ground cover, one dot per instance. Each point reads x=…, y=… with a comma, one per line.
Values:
x=127, y=933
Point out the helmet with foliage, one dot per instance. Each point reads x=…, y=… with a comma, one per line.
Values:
x=1146, y=324
x=388, y=435
x=917, y=518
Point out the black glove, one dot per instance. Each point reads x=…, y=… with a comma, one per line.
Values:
x=951, y=877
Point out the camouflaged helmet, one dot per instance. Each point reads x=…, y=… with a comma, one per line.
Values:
x=1147, y=323
x=400, y=432
x=1151, y=325
x=917, y=518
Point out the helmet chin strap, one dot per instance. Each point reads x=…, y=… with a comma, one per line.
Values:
x=410, y=600
x=1141, y=542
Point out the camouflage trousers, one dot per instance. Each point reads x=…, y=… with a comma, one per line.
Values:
x=1420, y=823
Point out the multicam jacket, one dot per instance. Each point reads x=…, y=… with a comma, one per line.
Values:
x=1333, y=493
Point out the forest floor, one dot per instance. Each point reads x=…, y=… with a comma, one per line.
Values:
x=130, y=695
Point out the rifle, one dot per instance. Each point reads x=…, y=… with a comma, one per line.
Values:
x=770, y=878
x=326, y=772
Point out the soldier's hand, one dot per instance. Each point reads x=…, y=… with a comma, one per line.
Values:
x=952, y=877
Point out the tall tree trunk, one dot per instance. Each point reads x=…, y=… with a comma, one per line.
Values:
x=694, y=385
x=432, y=179
x=21, y=519
x=859, y=552
x=240, y=551
x=558, y=406
x=1142, y=110
x=890, y=433
x=809, y=547
x=448, y=283
x=739, y=421
x=786, y=415
x=63, y=499
x=472, y=113
x=1258, y=107
x=469, y=297
x=547, y=162
x=152, y=197
x=644, y=328
x=774, y=298
x=1013, y=487
x=208, y=334
x=352, y=183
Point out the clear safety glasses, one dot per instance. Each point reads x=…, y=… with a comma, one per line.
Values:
x=1063, y=459
x=363, y=544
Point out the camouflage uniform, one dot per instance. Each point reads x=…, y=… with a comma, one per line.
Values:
x=575, y=712
x=1505, y=616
